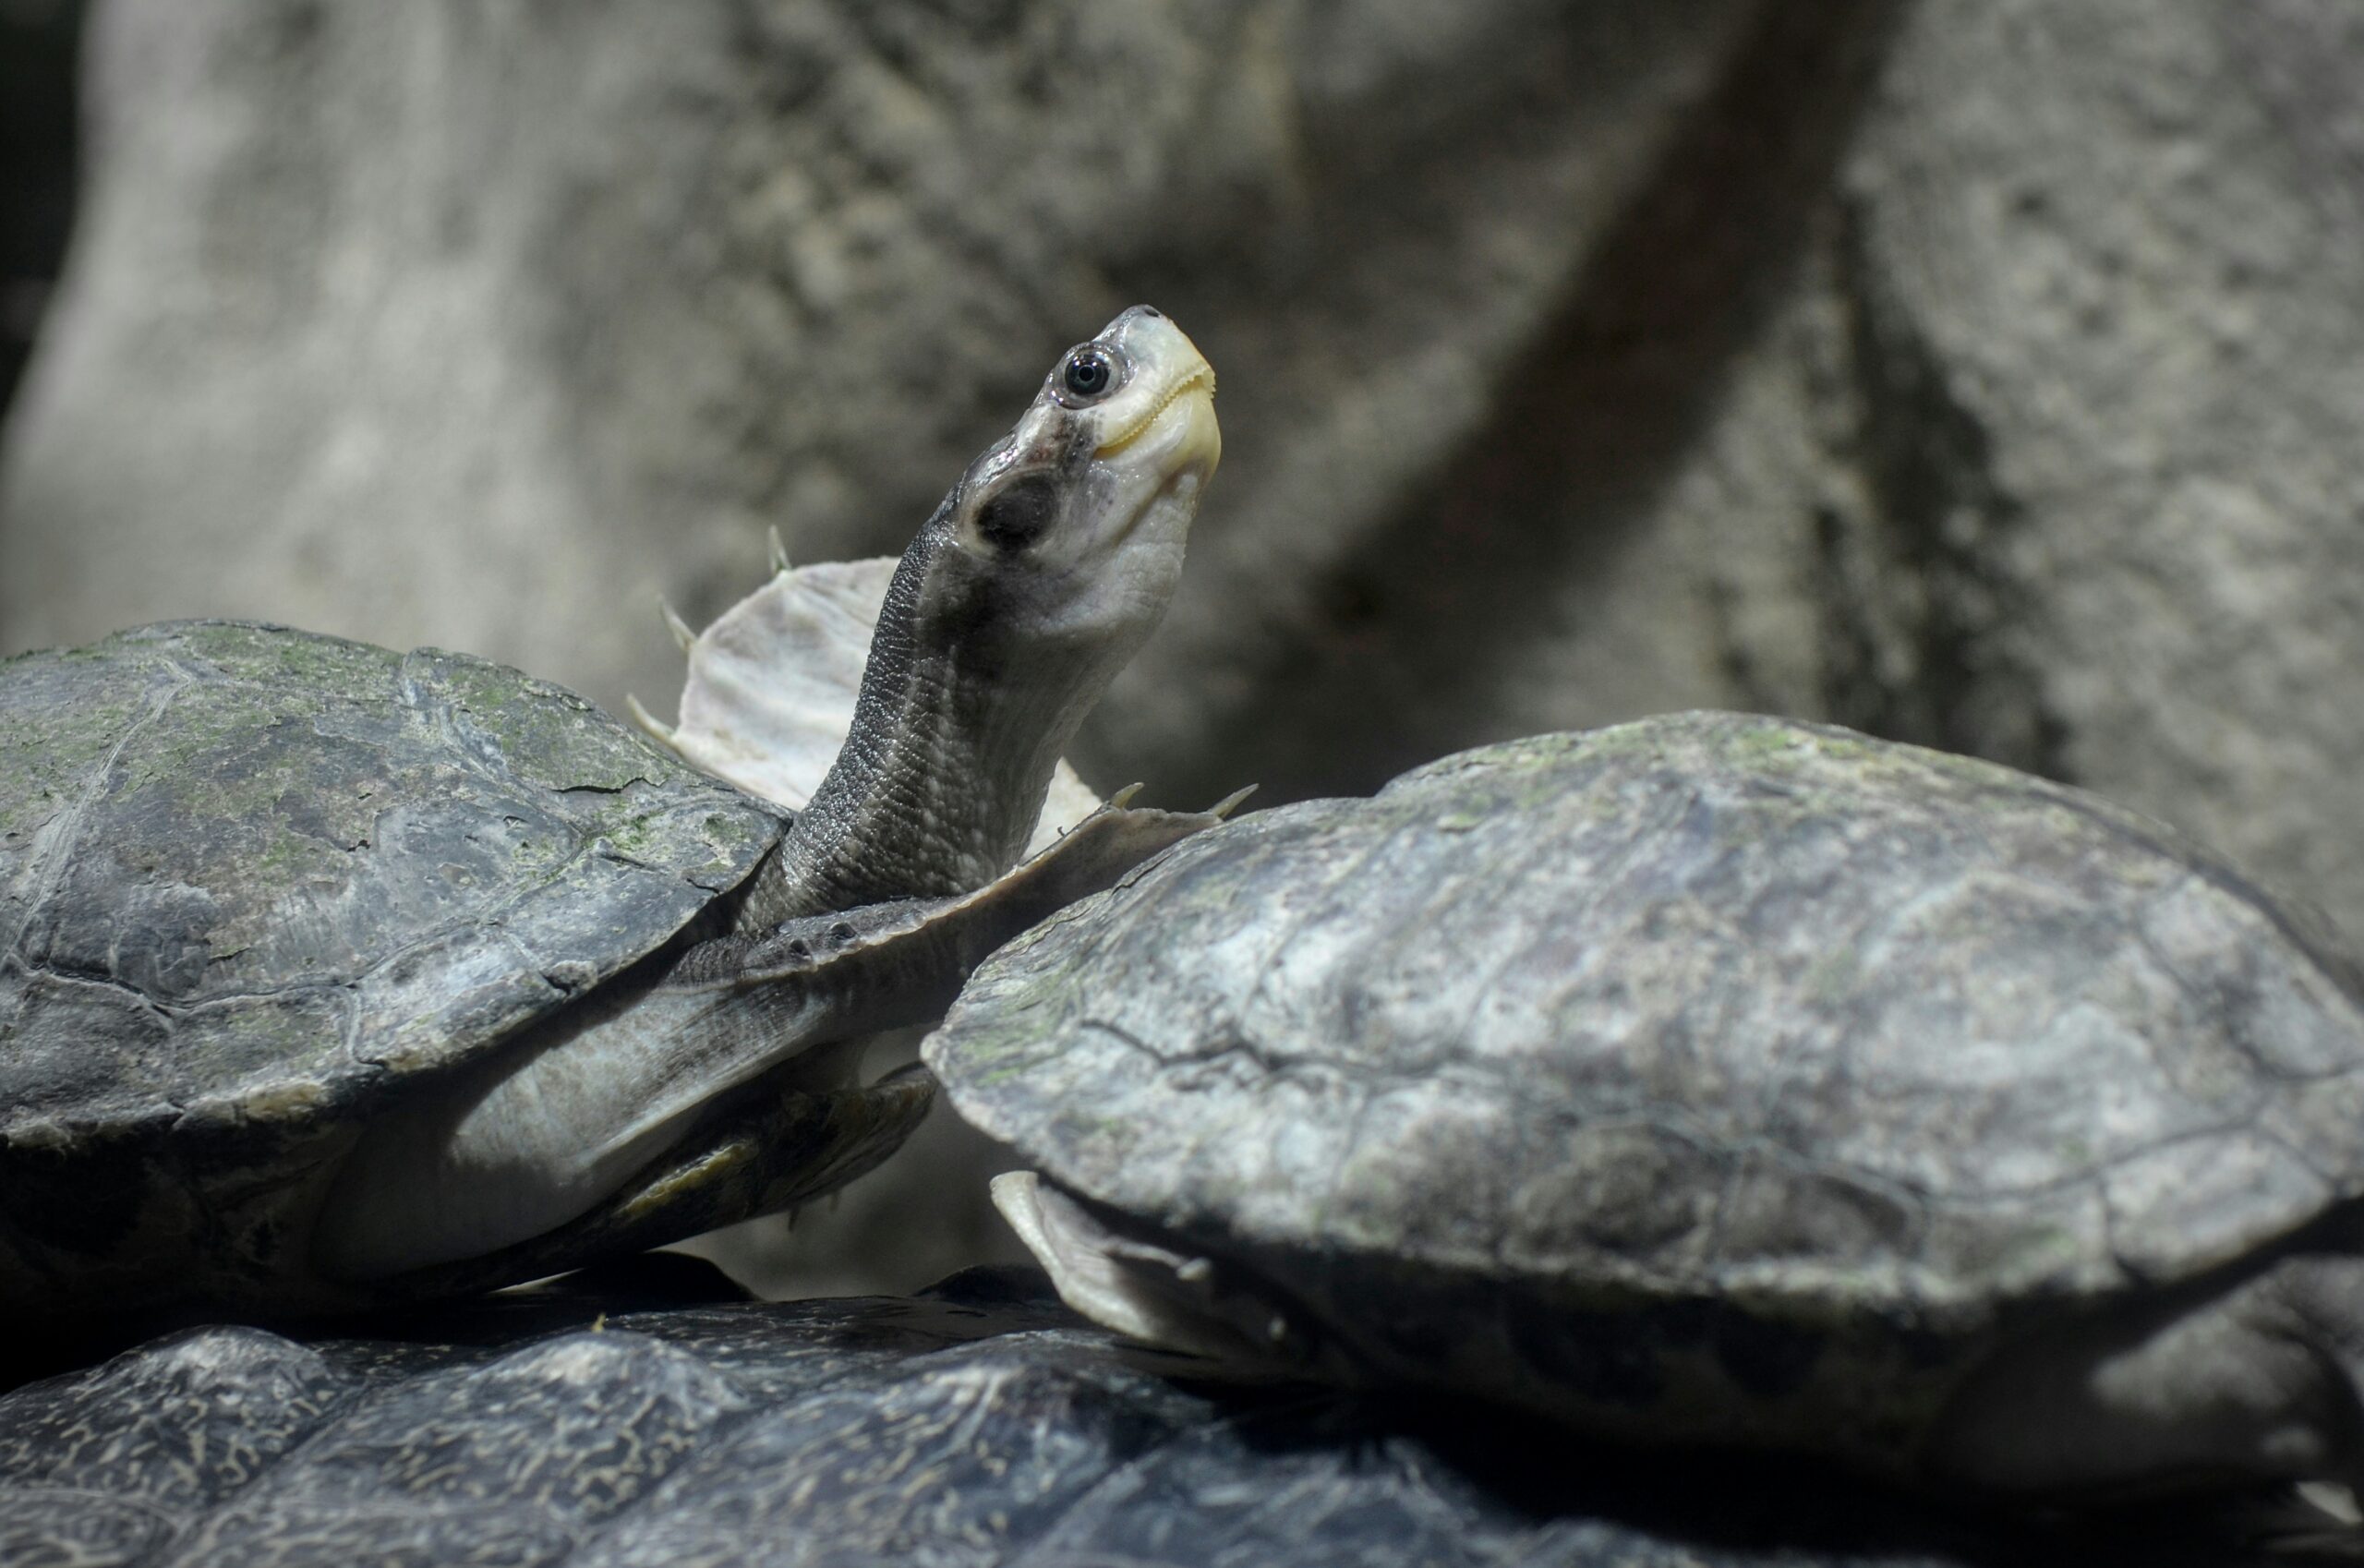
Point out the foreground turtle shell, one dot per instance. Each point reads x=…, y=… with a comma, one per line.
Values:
x=1709, y=1077
x=255, y=885
x=975, y=1426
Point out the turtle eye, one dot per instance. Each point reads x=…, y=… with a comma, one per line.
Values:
x=1089, y=374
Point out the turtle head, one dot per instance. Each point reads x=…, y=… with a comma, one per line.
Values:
x=1067, y=535
x=1040, y=573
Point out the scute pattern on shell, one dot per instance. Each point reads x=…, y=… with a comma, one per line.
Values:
x=961, y=1430
x=251, y=877
x=1704, y=1009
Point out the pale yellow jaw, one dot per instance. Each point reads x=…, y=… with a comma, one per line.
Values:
x=1198, y=387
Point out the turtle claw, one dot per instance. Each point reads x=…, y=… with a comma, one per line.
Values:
x=779, y=553
x=1123, y=796
x=648, y=721
x=1230, y=803
x=675, y=624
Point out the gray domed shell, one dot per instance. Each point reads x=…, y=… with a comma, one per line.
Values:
x=975, y=1426
x=348, y=869
x=1708, y=1007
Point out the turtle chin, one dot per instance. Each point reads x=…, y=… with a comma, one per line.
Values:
x=1124, y=568
x=1184, y=447
x=1176, y=449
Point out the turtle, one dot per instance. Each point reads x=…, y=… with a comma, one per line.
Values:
x=330, y=975
x=1717, y=1080
x=975, y=1424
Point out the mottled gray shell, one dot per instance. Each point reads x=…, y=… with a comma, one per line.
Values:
x=1706, y=1009
x=252, y=881
x=965, y=1431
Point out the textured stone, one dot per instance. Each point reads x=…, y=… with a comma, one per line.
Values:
x=2103, y=262
x=976, y=1427
x=454, y=326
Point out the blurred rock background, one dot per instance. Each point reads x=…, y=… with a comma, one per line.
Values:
x=37, y=58
x=1986, y=373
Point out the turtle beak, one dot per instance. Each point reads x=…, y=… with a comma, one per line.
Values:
x=1166, y=419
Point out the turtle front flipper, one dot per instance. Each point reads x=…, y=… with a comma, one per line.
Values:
x=648, y=1076
x=772, y=1151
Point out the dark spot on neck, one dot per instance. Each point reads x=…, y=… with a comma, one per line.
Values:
x=1015, y=515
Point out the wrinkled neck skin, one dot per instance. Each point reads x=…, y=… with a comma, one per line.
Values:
x=961, y=720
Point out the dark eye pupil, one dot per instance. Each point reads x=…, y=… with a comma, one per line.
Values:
x=1088, y=375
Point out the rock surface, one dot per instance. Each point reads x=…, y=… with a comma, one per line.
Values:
x=979, y=1425
x=501, y=324
x=2103, y=262
x=1976, y=374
